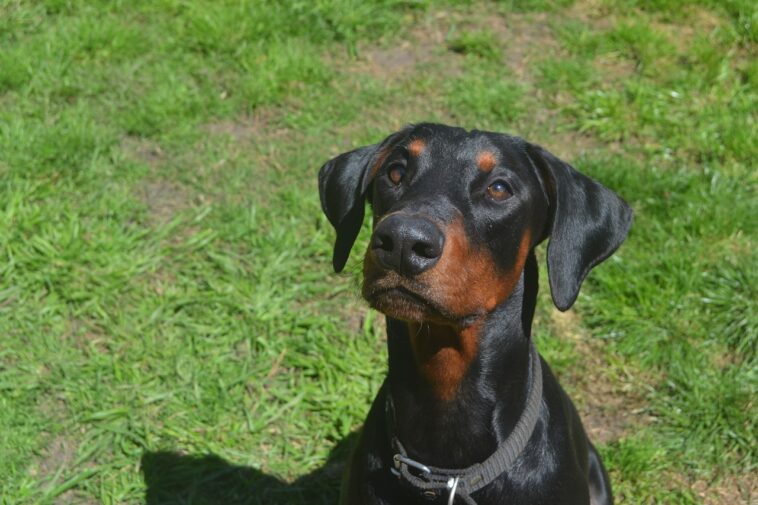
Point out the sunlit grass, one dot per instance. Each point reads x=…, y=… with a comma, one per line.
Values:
x=166, y=294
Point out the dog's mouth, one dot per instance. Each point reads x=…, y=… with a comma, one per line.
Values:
x=402, y=299
x=400, y=303
x=402, y=295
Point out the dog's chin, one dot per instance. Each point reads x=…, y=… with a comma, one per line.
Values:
x=400, y=303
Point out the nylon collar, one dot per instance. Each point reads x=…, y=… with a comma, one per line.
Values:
x=432, y=482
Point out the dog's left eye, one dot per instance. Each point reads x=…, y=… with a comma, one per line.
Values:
x=498, y=190
x=396, y=172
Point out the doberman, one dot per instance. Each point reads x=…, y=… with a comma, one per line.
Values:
x=469, y=412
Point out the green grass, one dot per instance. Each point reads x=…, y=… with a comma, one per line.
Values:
x=172, y=331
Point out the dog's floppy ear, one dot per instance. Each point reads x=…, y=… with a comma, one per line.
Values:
x=587, y=223
x=342, y=184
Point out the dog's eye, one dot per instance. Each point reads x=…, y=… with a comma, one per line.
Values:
x=396, y=172
x=498, y=191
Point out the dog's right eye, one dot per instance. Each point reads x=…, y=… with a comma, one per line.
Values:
x=499, y=191
x=396, y=172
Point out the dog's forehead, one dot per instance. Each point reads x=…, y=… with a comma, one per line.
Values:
x=457, y=148
x=448, y=165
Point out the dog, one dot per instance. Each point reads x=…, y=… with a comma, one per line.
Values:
x=469, y=413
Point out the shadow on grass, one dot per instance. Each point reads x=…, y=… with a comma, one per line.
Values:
x=173, y=478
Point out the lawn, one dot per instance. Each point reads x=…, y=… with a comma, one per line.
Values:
x=171, y=329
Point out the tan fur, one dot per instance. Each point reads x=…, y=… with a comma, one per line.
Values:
x=486, y=161
x=464, y=283
x=443, y=354
x=466, y=278
x=416, y=147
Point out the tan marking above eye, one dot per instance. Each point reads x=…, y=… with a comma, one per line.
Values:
x=486, y=161
x=416, y=147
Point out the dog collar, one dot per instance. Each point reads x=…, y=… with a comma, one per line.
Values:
x=432, y=482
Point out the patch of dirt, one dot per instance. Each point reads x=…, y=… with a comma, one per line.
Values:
x=423, y=44
x=59, y=453
x=614, y=67
x=245, y=128
x=609, y=407
x=523, y=37
x=704, y=19
x=143, y=150
x=73, y=497
x=693, y=21
x=396, y=61
x=164, y=199
x=85, y=337
x=569, y=145
x=598, y=13
x=722, y=490
x=730, y=490
x=253, y=140
x=526, y=37
x=163, y=279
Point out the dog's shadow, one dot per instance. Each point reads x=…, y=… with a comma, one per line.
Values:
x=172, y=479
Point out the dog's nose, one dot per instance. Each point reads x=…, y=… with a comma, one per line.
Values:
x=407, y=244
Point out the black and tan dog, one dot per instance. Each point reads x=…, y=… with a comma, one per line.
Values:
x=469, y=412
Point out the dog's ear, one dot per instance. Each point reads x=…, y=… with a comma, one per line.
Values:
x=587, y=223
x=342, y=184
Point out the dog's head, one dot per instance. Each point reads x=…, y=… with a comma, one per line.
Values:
x=456, y=214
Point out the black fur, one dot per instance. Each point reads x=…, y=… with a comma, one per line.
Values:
x=586, y=223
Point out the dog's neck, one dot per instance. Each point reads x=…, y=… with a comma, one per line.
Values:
x=451, y=386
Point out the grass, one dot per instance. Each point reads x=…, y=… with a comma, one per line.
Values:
x=172, y=331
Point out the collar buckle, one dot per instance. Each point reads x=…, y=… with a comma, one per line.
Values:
x=399, y=460
x=452, y=485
